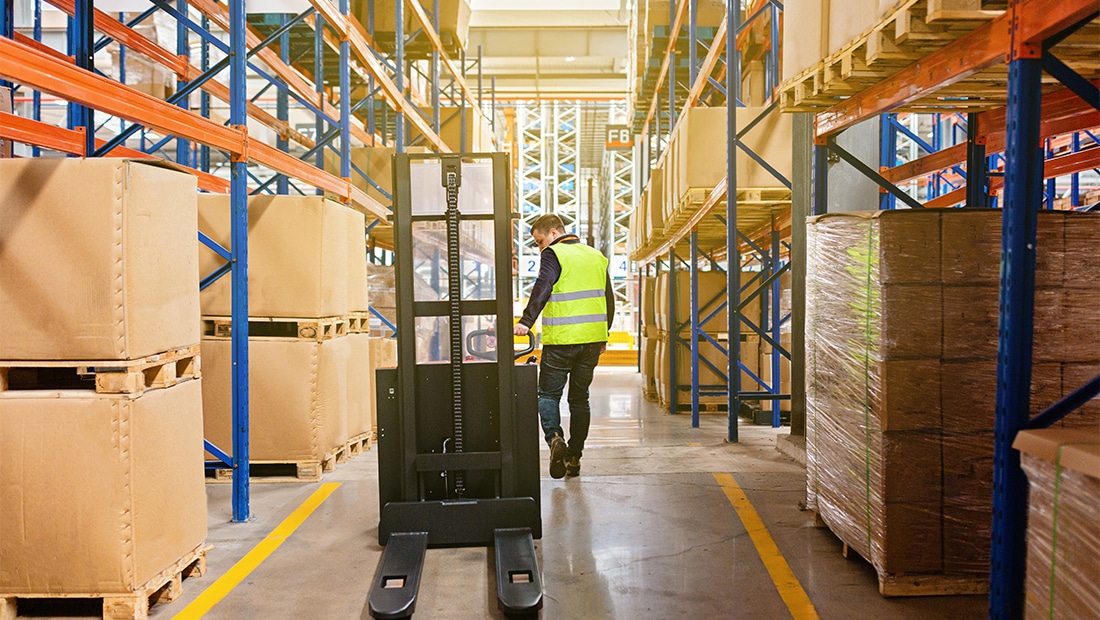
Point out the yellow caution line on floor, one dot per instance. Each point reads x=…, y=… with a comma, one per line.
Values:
x=235, y=575
x=790, y=590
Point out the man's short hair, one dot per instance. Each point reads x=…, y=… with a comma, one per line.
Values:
x=547, y=222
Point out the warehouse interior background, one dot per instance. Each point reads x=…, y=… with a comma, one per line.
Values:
x=854, y=367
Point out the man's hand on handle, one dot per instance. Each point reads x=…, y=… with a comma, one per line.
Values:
x=521, y=330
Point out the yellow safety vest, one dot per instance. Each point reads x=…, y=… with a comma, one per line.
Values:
x=577, y=310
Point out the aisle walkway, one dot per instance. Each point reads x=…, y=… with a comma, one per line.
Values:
x=647, y=531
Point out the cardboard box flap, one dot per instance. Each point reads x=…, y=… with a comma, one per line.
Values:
x=1080, y=448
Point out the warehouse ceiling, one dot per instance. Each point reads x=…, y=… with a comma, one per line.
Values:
x=553, y=49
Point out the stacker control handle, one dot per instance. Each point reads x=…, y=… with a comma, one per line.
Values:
x=492, y=355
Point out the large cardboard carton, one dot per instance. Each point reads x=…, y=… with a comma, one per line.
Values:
x=454, y=18
x=649, y=365
x=1063, y=528
x=699, y=162
x=660, y=369
x=97, y=259
x=709, y=13
x=814, y=29
x=655, y=220
x=360, y=385
x=649, y=291
x=123, y=503
x=358, y=297
x=297, y=256
x=298, y=397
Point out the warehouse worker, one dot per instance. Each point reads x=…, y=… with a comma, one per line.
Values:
x=573, y=293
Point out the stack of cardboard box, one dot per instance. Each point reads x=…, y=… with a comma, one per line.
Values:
x=901, y=376
x=298, y=298
x=101, y=458
x=1063, y=524
x=712, y=290
x=454, y=21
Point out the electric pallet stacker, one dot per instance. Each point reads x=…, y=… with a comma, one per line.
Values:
x=458, y=431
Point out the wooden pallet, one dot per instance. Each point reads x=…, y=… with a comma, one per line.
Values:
x=359, y=322
x=707, y=404
x=166, y=587
x=913, y=30
x=127, y=377
x=929, y=584
x=334, y=457
x=278, y=471
x=326, y=328
x=359, y=444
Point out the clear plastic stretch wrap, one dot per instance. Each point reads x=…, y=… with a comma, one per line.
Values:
x=1063, y=527
x=902, y=312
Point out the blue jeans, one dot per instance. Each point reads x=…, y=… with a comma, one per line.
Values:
x=575, y=362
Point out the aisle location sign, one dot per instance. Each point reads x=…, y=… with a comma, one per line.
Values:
x=619, y=138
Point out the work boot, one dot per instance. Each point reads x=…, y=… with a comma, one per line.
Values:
x=558, y=451
x=573, y=466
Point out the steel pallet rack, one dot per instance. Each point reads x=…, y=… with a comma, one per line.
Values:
x=26, y=61
x=757, y=236
x=1025, y=36
x=617, y=188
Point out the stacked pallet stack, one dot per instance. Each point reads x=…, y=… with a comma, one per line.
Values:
x=99, y=294
x=1063, y=524
x=901, y=378
x=298, y=334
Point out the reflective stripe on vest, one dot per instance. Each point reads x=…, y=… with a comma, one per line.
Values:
x=576, y=312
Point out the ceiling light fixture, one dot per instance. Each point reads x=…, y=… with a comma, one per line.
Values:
x=570, y=58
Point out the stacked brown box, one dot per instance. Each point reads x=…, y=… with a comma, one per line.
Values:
x=454, y=20
x=118, y=289
x=712, y=289
x=359, y=378
x=902, y=340
x=1063, y=526
x=298, y=294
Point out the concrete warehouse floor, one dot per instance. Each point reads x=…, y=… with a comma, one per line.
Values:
x=645, y=532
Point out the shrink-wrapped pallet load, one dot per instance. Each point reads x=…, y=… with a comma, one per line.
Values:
x=901, y=371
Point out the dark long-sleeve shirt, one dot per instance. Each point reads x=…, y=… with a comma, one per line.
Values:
x=549, y=272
